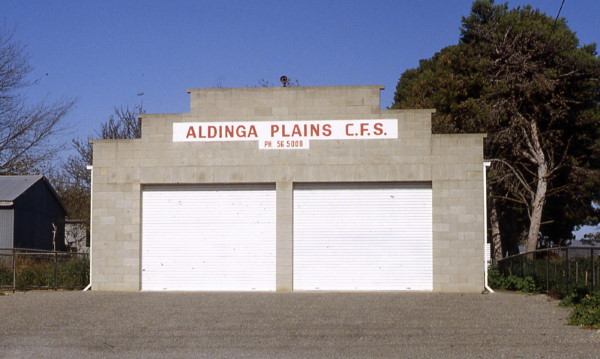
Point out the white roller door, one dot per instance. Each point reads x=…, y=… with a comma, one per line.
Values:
x=208, y=237
x=363, y=237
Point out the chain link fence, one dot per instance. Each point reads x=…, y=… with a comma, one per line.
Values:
x=556, y=270
x=26, y=269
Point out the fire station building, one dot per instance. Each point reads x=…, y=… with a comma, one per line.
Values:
x=288, y=189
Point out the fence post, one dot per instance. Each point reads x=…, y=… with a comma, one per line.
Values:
x=593, y=270
x=568, y=272
x=55, y=270
x=547, y=271
x=14, y=265
x=522, y=265
x=84, y=264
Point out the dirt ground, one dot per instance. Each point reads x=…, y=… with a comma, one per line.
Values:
x=293, y=325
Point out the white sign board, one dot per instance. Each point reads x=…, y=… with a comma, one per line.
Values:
x=285, y=134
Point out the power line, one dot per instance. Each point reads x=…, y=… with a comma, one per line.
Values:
x=557, y=15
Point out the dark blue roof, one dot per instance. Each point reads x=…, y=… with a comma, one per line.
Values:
x=12, y=187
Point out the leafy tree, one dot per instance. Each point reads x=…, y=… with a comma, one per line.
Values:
x=522, y=77
x=592, y=237
x=26, y=131
x=73, y=181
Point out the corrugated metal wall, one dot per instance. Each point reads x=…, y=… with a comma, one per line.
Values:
x=6, y=228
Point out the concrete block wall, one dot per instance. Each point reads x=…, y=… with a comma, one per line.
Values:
x=285, y=103
x=458, y=202
x=451, y=163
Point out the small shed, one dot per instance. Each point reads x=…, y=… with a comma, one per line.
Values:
x=77, y=236
x=31, y=215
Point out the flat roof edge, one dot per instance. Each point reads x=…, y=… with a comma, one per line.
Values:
x=281, y=88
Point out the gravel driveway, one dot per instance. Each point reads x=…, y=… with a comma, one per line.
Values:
x=295, y=325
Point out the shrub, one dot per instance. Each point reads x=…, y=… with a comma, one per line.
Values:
x=527, y=284
x=35, y=274
x=74, y=272
x=6, y=277
x=497, y=280
x=42, y=272
x=587, y=312
x=575, y=297
x=495, y=277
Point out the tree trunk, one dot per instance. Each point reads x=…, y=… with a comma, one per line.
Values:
x=539, y=196
x=495, y=228
x=536, y=209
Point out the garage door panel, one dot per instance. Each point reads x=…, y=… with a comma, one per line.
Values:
x=362, y=237
x=208, y=238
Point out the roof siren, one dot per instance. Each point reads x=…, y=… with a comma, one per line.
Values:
x=284, y=80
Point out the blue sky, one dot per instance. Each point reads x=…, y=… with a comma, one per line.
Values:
x=123, y=53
